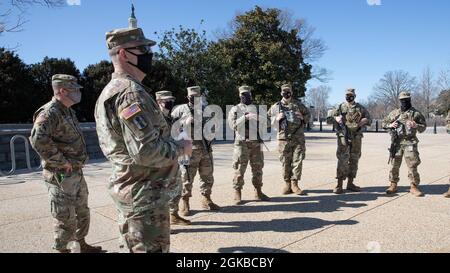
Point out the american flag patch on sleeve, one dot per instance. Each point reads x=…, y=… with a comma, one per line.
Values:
x=130, y=111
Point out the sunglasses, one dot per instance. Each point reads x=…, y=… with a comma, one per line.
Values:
x=146, y=49
x=71, y=89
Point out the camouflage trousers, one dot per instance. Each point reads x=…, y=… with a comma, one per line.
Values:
x=245, y=152
x=69, y=206
x=292, y=153
x=201, y=161
x=175, y=190
x=143, y=209
x=348, y=157
x=412, y=158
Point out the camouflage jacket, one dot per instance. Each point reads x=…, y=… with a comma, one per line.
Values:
x=409, y=136
x=245, y=130
x=352, y=114
x=133, y=133
x=295, y=126
x=180, y=114
x=57, y=137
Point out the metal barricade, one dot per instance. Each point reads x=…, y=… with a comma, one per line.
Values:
x=13, y=156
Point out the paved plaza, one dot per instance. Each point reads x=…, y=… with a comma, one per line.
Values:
x=319, y=222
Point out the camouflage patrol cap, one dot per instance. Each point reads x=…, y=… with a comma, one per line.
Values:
x=286, y=87
x=164, y=95
x=194, y=91
x=350, y=91
x=67, y=81
x=245, y=89
x=127, y=37
x=404, y=95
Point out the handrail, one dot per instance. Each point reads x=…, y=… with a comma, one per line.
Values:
x=13, y=156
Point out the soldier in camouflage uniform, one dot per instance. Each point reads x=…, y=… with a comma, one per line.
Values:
x=166, y=102
x=135, y=137
x=292, y=117
x=247, y=148
x=351, y=116
x=202, y=158
x=447, y=195
x=410, y=121
x=58, y=139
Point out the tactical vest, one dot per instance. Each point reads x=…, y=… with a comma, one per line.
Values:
x=352, y=115
x=292, y=124
x=405, y=132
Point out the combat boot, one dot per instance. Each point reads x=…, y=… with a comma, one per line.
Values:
x=63, y=250
x=287, y=188
x=177, y=220
x=338, y=189
x=86, y=248
x=351, y=186
x=415, y=191
x=296, y=189
x=260, y=196
x=447, y=194
x=208, y=204
x=185, y=209
x=237, y=197
x=392, y=188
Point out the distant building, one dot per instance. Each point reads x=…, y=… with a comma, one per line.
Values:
x=132, y=21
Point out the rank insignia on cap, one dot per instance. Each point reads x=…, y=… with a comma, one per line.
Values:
x=130, y=111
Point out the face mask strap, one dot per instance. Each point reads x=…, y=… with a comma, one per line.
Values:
x=137, y=55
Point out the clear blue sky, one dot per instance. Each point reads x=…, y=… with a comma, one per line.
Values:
x=364, y=40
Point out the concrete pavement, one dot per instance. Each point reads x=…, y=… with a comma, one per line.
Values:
x=318, y=222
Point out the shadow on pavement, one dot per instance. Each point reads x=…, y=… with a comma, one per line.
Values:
x=250, y=249
x=329, y=202
x=310, y=137
x=303, y=204
x=434, y=189
x=277, y=225
x=308, y=204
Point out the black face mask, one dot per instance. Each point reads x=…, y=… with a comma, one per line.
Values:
x=350, y=98
x=169, y=105
x=405, y=105
x=287, y=95
x=144, y=62
x=246, y=99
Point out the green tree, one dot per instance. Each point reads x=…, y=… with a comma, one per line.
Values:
x=262, y=54
x=223, y=90
x=95, y=77
x=15, y=89
x=161, y=78
x=184, y=53
x=42, y=76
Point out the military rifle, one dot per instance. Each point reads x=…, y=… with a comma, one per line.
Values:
x=395, y=139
